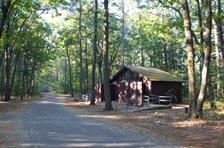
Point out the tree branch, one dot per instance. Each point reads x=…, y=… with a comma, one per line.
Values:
x=171, y=7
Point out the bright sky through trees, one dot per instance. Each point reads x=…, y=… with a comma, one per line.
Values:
x=58, y=19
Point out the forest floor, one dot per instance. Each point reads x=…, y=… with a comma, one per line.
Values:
x=169, y=124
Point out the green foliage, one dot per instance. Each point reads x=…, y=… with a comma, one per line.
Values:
x=28, y=38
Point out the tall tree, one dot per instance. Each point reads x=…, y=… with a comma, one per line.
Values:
x=94, y=53
x=80, y=48
x=200, y=26
x=67, y=43
x=190, y=56
x=108, y=105
x=205, y=70
x=123, y=32
x=65, y=75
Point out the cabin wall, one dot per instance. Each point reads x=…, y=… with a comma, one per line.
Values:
x=99, y=92
x=129, y=90
x=128, y=85
x=168, y=88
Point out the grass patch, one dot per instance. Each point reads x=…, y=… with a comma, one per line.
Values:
x=217, y=114
x=219, y=105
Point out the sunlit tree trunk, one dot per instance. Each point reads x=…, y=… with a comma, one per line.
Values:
x=108, y=105
x=205, y=70
x=202, y=55
x=190, y=56
x=94, y=54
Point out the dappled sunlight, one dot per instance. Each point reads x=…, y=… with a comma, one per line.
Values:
x=93, y=144
x=69, y=101
x=2, y=102
x=76, y=103
x=49, y=102
x=178, y=107
x=101, y=116
x=189, y=123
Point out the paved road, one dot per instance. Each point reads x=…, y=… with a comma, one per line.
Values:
x=47, y=123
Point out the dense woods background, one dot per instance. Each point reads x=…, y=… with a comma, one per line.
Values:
x=69, y=46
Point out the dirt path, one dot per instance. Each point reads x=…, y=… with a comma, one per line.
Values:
x=48, y=123
x=169, y=124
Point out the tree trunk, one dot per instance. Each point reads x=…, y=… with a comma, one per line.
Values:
x=2, y=78
x=80, y=48
x=14, y=73
x=108, y=105
x=5, y=8
x=95, y=49
x=165, y=56
x=190, y=56
x=32, y=80
x=140, y=44
x=123, y=32
x=77, y=79
x=65, y=73
x=205, y=70
x=70, y=72
x=86, y=66
x=201, y=36
x=23, y=76
x=18, y=82
x=7, y=73
x=100, y=63
x=27, y=77
x=219, y=49
x=173, y=59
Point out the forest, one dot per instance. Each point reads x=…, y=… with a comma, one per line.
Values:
x=68, y=46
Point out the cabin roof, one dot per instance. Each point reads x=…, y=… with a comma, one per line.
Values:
x=153, y=74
